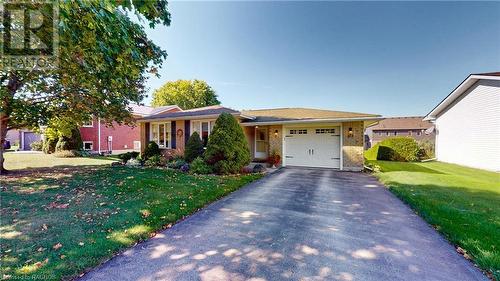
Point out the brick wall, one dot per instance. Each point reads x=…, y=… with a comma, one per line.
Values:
x=352, y=150
x=276, y=141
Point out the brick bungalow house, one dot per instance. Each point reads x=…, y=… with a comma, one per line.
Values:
x=301, y=136
x=98, y=137
x=413, y=127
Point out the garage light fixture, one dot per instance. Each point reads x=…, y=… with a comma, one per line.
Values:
x=350, y=133
x=275, y=133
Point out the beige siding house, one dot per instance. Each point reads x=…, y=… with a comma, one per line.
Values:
x=468, y=123
x=301, y=136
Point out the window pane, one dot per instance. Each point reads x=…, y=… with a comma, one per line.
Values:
x=204, y=132
x=196, y=127
x=154, y=132
x=167, y=135
x=162, y=135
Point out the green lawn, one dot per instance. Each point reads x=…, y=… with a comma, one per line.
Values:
x=462, y=203
x=16, y=161
x=56, y=224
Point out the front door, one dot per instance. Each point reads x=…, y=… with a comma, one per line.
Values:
x=261, y=143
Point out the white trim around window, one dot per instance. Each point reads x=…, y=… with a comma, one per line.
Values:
x=198, y=126
x=160, y=133
x=90, y=147
x=88, y=124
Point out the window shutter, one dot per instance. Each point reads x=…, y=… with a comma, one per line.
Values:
x=173, y=135
x=187, y=130
x=147, y=132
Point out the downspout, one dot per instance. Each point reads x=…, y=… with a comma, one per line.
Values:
x=99, y=135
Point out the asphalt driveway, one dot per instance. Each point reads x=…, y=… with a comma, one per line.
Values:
x=297, y=224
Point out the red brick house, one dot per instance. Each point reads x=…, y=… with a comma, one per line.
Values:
x=97, y=137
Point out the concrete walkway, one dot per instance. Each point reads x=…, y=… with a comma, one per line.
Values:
x=297, y=224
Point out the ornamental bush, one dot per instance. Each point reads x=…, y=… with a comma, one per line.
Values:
x=227, y=148
x=194, y=147
x=73, y=142
x=151, y=150
x=402, y=149
x=200, y=167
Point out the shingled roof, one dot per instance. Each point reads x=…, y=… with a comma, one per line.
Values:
x=194, y=113
x=290, y=114
x=402, y=123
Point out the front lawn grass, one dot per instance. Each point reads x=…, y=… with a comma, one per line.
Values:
x=57, y=224
x=462, y=203
x=24, y=160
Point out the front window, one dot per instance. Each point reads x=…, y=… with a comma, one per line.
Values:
x=160, y=133
x=88, y=145
x=203, y=128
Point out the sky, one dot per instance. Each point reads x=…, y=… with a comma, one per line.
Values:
x=388, y=58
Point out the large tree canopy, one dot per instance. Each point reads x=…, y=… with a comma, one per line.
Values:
x=186, y=94
x=104, y=58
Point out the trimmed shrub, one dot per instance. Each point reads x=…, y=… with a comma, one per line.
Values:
x=259, y=168
x=185, y=168
x=49, y=146
x=199, y=166
x=176, y=164
x=74, y=142
x=37, y=145
x=151, y=149
x=194, y=147
x=154, y=160
x=227, y=148
x=394, y=149
x=128, y=155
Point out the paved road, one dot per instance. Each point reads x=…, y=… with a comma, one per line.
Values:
x=297, y=224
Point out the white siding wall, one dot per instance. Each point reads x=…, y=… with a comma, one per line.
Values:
x=469, y=130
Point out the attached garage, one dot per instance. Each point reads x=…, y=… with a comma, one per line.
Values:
x=312, y=146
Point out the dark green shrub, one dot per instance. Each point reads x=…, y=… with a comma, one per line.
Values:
x=74, y=142
x=37, y=145
x=151, y=149
x=227, y=148
x=128, y=155
x=194, y=147
x=199, y=166
x=394, y=149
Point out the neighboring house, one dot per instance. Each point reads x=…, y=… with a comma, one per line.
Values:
x=413, y=127
x=301, y=136
x=468, y=123
x=98, y=137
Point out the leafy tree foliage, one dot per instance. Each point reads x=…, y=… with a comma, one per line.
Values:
x=194, y=147
x=104, y=58
x=227, y=148
x=187, y=94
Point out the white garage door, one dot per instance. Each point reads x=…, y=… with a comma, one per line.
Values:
x=313, y=147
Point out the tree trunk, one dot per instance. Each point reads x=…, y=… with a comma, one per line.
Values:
x=6, y=109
